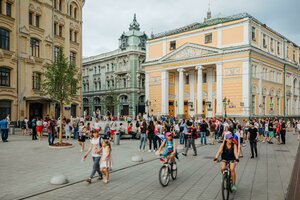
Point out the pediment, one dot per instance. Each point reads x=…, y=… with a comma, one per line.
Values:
x=188, y=51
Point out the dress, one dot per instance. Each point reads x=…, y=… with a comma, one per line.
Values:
x=104, y=163
x=81, y=137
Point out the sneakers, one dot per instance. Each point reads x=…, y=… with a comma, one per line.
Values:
x=233, y=188
x=183, y=154
x=149, y=150
x=89, y=180
x=263, y=141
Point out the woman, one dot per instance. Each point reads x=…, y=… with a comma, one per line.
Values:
x=96, y=149
x=229, y=154
x=50, y=130
x=212, y=129
x=143, y=135
x=81, y=137
x=270, y=132
x=150, y=134
x=298, y=129
x=39, y=128
x=113, y=126
x=33, y=126
x=97, y=125
x=68, y=129
x=24, y=126
x=105, y=160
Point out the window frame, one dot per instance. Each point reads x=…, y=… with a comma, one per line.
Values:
x=253, y=33
x=30, y=18
x=36, y=80
x=37, y=20
x=4, y=37
x=73, y=57
x=208, y=38
x=172, y=45
x=8, y=9
x=34, y=47
x=4, y=76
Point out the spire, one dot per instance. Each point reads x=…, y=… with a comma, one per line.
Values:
x=134, y=24
x=208, y=12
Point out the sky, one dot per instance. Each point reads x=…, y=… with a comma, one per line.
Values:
x=105, y=20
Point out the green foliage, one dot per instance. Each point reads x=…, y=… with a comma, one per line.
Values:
x=110, y=100
x=61, y=80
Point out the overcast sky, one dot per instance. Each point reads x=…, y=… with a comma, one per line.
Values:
x=105, y=20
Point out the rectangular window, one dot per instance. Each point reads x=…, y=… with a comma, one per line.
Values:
x=36, y=81
x=278, y=48
x=272, y=49
x=264, y=41
x=187, y=79
x=4, y=77
x=30, y=18
x=253, y=34
x=73, y=58
x=172, y=45
x=37, y=21
x=60, y=30
x=75, y=37
x=0, y=6
x=55, y=28
x=55, y=3
x=294, y=56
x=4, y=39
x=8, y=9
x=34, y=47
x=208, y=38
x=287, y=52
x=204, y=78
x=71, y=33
x=60, y=5
x=56, y=50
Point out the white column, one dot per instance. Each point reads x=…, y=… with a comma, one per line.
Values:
x=165, y=93
x=246, y=86
x=192, y=92
x=147, y=83
x=260, y=89
x=209, y=90
x=176, y=94
x=199, y=90
x=219, y=89
x=181, y=92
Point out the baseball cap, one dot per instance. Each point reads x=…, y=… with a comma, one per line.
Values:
x=228, y=136
x=168, y=134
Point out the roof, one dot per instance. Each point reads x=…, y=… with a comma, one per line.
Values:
x=212, y=22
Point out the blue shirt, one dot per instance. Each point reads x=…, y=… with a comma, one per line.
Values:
x=3, y=124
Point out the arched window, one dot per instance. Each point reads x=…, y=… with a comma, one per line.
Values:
x=96, y=86
x=34, y=47
x=85, y=101
x=71, y=10
x=294, y=86
x=4, y=39
x=60, y=5
x=75, y=13
x=4, y=77
x=123, y=99
x=97, y=100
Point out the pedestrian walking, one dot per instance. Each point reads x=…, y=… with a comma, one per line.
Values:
x=143, y=138
x=96, y=149
x=51, y=132
x=150, y=134
x=282, y=131
x=212, y=129
x=24, y=126
x=68, y=129
x=191, y=137
x=105, y=160
x=39, y=128
x=81, y=137
x=203, y=131
x=253, y=135
x=4, y=127
x=33, y=127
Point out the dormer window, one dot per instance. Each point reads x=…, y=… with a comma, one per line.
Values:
x=172, y=45
x=208, y=38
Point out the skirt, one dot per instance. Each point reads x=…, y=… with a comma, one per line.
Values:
x=81, y=138
x=39, y=129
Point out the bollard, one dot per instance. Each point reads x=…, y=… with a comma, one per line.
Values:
x=117, y=138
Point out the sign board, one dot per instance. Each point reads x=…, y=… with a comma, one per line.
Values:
x=209, y=109
x=192, y=109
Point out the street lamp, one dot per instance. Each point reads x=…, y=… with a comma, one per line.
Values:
x=225, y=103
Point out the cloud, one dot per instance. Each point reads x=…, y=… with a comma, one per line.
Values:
x=105, y=21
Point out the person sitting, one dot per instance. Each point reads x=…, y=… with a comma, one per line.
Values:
x=121, y=129
x=130, y=132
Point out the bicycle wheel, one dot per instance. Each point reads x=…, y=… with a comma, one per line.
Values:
x=225, y=187
x=164, y=177
x=173, y=172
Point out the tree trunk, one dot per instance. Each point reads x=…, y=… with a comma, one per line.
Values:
x=60, y=122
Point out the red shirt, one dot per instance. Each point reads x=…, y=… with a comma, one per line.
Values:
x=129, y=129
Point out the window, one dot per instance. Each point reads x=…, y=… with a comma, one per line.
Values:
x=124, y=81
x=60, y=30
x=75, y=37
x=55, y=28
x=36, y=81
x=208, y=38
x=34, y=47
x=60, y=5
x=294, y=55
x=73, y=57
x=95, y=70
x=99, y=83
x=278, y=48
x=37, y=21
x=96, y=86
x=56, y=50
x=107, y=84
x=75, y=13
x=253, y=34
x=30, y=18
x=204, y=78
x=8, y=9
x=272, y=49
x=113, y=83
x=4, y=77
x=71, y=33
x=187, y=79
x=287, y=52
x=4, y=39
x=264, y=41
x=71, y=9
x=99, y=69
x=172, y=45
x=0, y=6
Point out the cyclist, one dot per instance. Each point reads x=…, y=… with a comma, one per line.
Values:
x=229, y=154
x=170, y=149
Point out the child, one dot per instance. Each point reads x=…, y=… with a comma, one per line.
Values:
x=170, y=149
x=81, y=137
x=105, y=160
x=96, y=149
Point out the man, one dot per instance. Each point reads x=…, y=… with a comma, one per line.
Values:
x=4, y=130
x=191, y=136
x=253, y=134
x=282, y=131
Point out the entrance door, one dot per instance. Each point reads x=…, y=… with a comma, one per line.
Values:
x=5, y=109
x=186, y=109
x=204, y=107
x=35, y=110
x=125, y=110
x=171, y=108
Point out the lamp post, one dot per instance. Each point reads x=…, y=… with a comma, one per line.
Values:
x=225, y=103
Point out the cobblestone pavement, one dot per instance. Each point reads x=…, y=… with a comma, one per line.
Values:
x=26, y=168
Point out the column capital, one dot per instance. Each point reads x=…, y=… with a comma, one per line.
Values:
x=180, y=70
x=199, y=67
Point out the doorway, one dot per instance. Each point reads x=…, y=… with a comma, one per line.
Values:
x=35, y=110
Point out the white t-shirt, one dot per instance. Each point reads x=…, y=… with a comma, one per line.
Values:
x=95, y=143
x=97, y=125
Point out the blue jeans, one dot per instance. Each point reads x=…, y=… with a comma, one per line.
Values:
x=181, y=137
x=203, y=137
x=4, y=134
x=75, y=133
x=50, y=138
x=143, y=141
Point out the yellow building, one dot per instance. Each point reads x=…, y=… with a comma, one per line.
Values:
x=191, y=70
x=31, y=32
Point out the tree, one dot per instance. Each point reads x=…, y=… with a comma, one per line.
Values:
x=61, y=82
x=110, y=100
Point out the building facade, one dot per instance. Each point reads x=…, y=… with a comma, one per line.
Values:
x=234, y=66
x=114, y=82
x=31, y=32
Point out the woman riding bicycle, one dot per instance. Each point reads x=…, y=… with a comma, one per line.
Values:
x=170, y=151
x=229, y=154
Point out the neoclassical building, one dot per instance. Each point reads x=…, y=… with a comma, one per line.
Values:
x=233, y=65
x=31, y=32
x=117, y=76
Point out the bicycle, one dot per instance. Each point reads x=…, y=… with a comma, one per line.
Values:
x=166, y=171
x=226, y=182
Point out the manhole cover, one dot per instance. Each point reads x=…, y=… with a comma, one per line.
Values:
x=281, y=150
x=209, y=157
